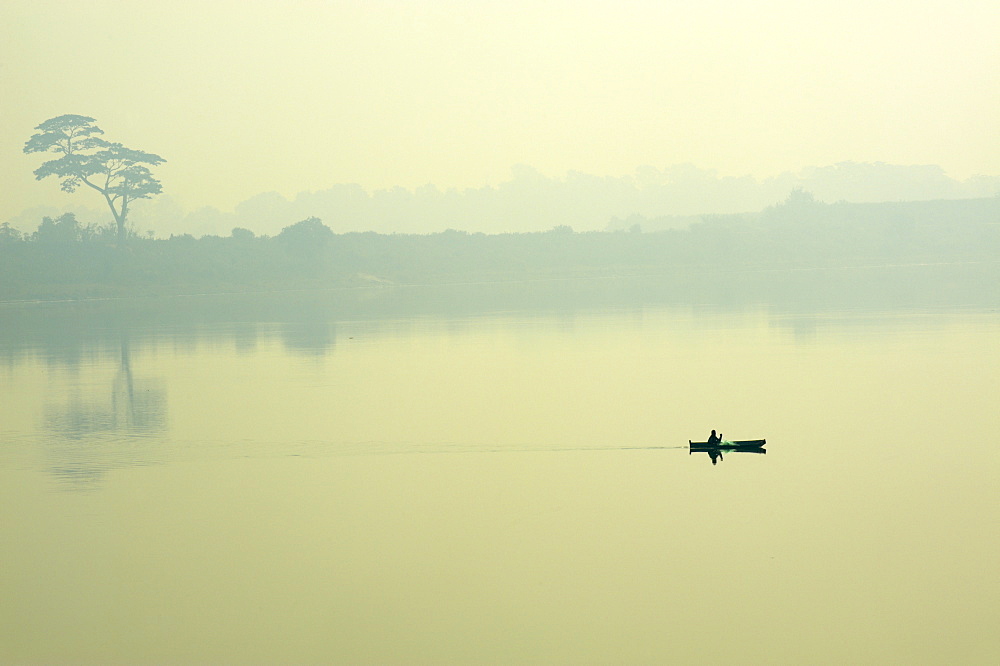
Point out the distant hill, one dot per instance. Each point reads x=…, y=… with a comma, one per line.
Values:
x=654, y=199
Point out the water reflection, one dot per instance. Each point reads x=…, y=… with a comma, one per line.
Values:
x=100, y=429
x=715, y=450
x=308, y=320
x=244, y=336
x=314, y=336
x=380, y=392
x=503, y=471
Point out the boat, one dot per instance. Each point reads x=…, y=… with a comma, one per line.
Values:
x=725, y=445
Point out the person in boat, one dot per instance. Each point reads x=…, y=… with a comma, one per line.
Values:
x=714, y=439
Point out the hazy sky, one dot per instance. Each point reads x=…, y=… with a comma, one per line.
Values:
x=246, y=96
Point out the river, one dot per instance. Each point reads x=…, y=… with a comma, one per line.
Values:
x=310, y=484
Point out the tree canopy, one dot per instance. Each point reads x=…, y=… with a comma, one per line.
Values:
x=120, y=174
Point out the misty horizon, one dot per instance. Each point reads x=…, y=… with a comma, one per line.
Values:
x=393, y=332
x=656, y=199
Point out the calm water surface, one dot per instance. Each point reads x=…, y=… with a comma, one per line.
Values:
x=503, y=488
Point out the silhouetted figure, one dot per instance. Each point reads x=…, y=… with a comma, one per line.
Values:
x=714, y=439
x=715, y=455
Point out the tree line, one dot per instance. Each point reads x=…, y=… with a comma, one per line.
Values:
x=64, y=259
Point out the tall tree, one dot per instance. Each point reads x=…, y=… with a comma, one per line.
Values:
x=120, y=174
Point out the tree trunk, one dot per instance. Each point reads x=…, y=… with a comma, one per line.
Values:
x=122, y=218
x=119, y=217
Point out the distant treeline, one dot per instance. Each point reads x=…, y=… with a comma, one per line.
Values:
x=65, y=259
x=655, y=199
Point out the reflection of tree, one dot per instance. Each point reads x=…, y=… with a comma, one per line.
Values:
x=244, y=337
x=97, y=432
x=309, y=337
x=137, y=410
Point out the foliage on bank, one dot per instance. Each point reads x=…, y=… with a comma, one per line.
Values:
x=63, y=259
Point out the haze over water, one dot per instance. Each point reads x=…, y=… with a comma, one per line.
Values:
x=507, y=485
x=376, y=332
